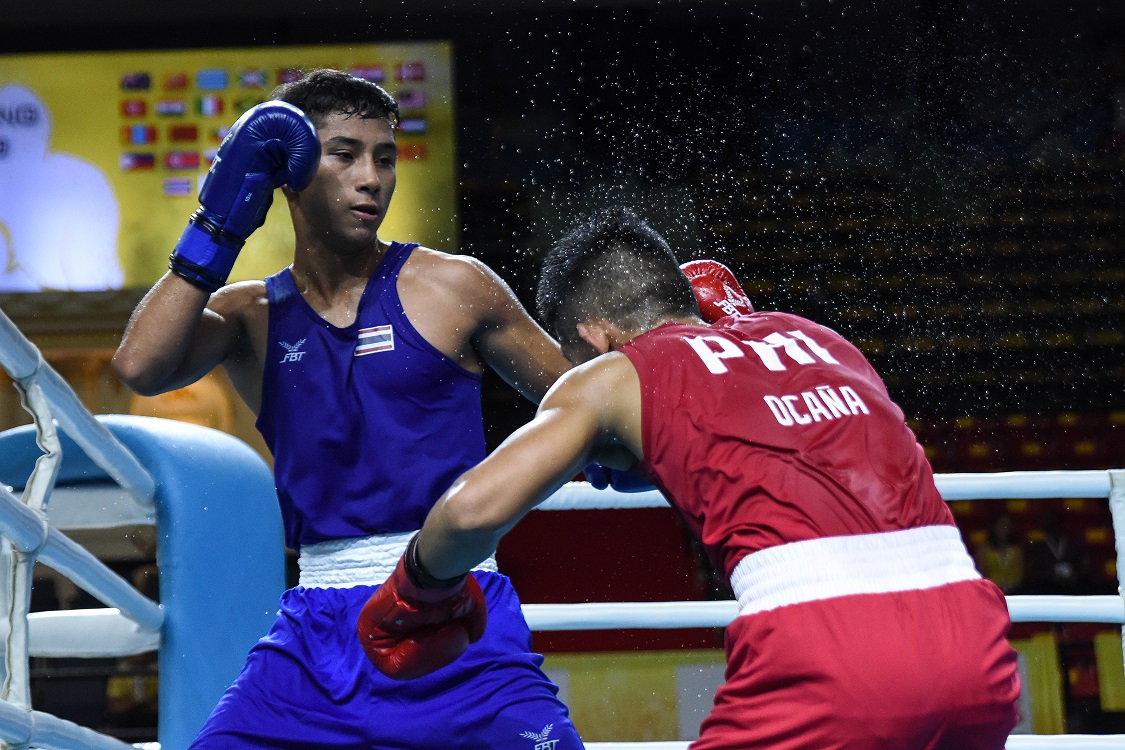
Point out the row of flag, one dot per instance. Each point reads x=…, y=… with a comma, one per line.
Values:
x=177, y=187
x=144, y=134
x=184, y=187
x=188, y=159
x=132, y=161
x=213, y=105
x=217, y=79
x=208, y=105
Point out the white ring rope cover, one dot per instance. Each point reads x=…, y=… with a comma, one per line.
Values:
x=73, y=633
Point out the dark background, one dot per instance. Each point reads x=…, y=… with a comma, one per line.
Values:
x=942, y=181
x=772, y=114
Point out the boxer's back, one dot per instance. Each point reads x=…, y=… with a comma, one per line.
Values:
x=768, y=428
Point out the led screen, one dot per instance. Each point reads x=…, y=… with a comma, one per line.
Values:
x=102, y=154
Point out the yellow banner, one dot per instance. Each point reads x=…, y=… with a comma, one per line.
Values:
x=102, y=155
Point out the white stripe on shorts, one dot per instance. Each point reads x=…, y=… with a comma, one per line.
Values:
x=360, y=561
x=815, y=569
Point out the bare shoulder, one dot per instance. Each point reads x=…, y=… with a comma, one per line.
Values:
x=240, y=299
x=459, y=274
x=244, y=306
x=605, y=395
x=603, y=383
x=240, y=295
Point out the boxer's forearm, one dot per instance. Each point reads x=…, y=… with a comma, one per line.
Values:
x=446, y=550
x=469, y=520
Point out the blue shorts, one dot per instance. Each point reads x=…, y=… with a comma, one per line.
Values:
x=308, y=684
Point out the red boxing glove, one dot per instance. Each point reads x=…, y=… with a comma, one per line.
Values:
x=716, y=290
x=411, y=627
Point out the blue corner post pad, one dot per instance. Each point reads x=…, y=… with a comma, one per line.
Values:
x=220, y=551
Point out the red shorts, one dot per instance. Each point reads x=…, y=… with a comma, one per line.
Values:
x=911, y=670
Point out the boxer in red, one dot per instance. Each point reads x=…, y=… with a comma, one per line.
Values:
x=863, y=623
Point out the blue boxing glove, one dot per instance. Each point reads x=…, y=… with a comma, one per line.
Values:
x=271, y=145
x=601, y=477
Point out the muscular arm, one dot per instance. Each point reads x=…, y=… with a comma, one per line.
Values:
x=178, y=334
x=465, y=310
x=591, y=413
x=513, y=344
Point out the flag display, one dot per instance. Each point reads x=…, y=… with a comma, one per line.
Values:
x=374, y=339
x=136, y=82
x=170, y=107
x=253, y=78
x=138, y=135
x=177, y=187
x=176, y=81
x=148, y=124
x=130, y=162
x=134, y=108
x=211, y=79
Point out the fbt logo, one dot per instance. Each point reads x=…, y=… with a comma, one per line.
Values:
x=797, y=346
x=541, y=738
x=293, y=352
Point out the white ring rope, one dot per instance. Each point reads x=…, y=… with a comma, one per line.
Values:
x=29, y=536
x=109, y=632
x=660, y=615
x=1015, y=742
x=1002, y=485
x=1015, y=484
x=23, y=362
x=88, y=633
x=990, y=486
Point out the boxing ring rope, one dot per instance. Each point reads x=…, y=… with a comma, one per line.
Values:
x=1015, y=742
x=1108, y=485
x=25, y=365
x=28, y=537
x=213, y=501
x=152, y=461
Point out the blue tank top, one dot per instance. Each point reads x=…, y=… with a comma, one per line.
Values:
x=368, y=424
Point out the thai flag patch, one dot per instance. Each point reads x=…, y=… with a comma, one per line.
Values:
x=375, y=339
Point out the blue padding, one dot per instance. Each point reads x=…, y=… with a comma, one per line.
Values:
x=18, y=453
x=220, y=552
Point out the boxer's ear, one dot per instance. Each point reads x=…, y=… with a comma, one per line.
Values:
x=596, y=334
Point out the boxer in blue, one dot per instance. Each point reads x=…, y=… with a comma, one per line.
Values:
x=362, y=361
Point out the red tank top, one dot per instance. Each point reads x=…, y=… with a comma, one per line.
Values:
x=767, y=428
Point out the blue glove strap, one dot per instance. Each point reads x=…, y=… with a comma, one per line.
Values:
x=204, y=256
x=597, y=475
x=601, y=477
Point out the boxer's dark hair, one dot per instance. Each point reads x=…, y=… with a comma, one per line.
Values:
x=612, y=266
x=323, y=92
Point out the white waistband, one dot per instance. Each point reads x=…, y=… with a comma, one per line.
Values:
x=814, y=569
x=361, y=561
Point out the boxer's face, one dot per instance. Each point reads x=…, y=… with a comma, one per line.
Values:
x=348, y=198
